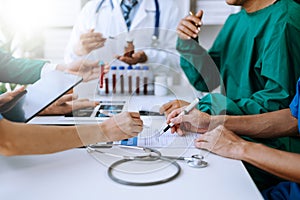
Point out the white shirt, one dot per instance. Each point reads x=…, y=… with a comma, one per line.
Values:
x=110, y=22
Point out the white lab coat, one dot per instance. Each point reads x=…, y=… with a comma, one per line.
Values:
x=111, y=23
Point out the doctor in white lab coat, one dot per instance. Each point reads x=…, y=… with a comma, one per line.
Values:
x=109, y=22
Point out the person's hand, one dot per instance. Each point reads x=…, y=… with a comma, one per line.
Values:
x=137, y=57
x=194, y=121
x=66, y=104
x=88, y=42
x=87, y=69
x=223, y=142
x=122, y=126
x=188, y=26
x=167, y=108
x=8, y=96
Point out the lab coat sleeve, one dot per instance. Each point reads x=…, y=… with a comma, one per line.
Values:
x=19, y=70
x=165, y=54
x=200, y=69
x=83, y=25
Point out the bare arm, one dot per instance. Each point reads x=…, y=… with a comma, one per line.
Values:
x=225, y=143
x=269, y=125
x=21, y=139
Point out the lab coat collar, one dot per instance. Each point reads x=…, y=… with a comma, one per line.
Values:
x=145, y=7
x=120, y=1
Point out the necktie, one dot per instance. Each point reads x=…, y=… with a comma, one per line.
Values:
x=127, y=6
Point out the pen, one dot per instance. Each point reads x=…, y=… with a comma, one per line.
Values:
x=198, y=26
x=184, y=112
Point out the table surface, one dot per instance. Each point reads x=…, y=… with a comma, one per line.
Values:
x=76, y=174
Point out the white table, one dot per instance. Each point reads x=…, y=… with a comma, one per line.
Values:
x=76, y=175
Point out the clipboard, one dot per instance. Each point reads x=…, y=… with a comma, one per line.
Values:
x=40, y=95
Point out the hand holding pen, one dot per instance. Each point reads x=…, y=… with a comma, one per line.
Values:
x=195, y=121
x=189, y=27
x=185, y=111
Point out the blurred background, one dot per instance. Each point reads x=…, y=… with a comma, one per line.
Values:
x=41, y=28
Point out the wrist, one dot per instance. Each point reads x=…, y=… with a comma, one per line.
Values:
x=245, y=151
x=60, y=67
x=216, y=120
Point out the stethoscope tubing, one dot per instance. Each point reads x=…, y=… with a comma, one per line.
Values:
x=132, y=183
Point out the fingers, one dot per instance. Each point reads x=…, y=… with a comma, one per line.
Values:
x=140, y=56
x=66, y=98
x=135, y=115
x=128, y=60
x=90, y=41
x=17, y=91
x=165, y=107
x=173, y=114
x=83, y=103
x=189, y=27
x=169, y=107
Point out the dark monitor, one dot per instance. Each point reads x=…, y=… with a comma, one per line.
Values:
x=40, y=95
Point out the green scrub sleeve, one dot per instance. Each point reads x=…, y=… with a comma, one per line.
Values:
x=272, y=98
x=19, y=70
x=198, y=66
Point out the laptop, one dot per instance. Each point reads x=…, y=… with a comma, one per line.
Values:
x=40, y=95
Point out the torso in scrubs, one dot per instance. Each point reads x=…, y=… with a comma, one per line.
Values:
x=256, y=56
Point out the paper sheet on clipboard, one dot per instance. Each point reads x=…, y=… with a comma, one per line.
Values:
x=149, y=137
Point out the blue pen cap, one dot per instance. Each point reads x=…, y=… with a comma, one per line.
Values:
x=121, y=68
x=101, y=63
x=145, y=68
x=129, y=67
x=113, y=67
x=137, y=68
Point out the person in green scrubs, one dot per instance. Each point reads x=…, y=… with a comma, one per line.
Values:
x=255, y=61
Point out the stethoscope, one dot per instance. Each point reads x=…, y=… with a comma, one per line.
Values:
x=155, y=35
x=149, y=154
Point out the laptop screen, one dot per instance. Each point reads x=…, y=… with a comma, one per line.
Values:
x=41, y=94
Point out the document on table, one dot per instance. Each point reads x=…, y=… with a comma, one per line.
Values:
x=150, y=138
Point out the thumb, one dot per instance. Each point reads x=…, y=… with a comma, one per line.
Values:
x=199, y=14
x=17, y=91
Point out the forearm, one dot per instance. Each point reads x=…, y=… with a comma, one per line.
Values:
x=19, y=70
x=279, y=163
x=198, y=66
x=269, y=125
x=21, y=139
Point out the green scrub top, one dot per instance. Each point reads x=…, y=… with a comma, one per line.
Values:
x=19, y=70
x=255, y=59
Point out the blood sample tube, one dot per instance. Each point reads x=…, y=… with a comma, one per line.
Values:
x=122, y=73
x=130, y=78
x=137, y=70
x=114, y=78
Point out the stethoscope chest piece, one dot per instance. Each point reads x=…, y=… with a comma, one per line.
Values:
x=154, y=42
x=197, y=162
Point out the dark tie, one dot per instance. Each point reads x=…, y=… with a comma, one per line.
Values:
x=127, y=6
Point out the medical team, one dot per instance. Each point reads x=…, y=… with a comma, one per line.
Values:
x=254, y=59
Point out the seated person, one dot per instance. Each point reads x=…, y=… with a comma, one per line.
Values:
x=220, y=136
x=21, y=138
x=253, y=59
x=26, y=71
